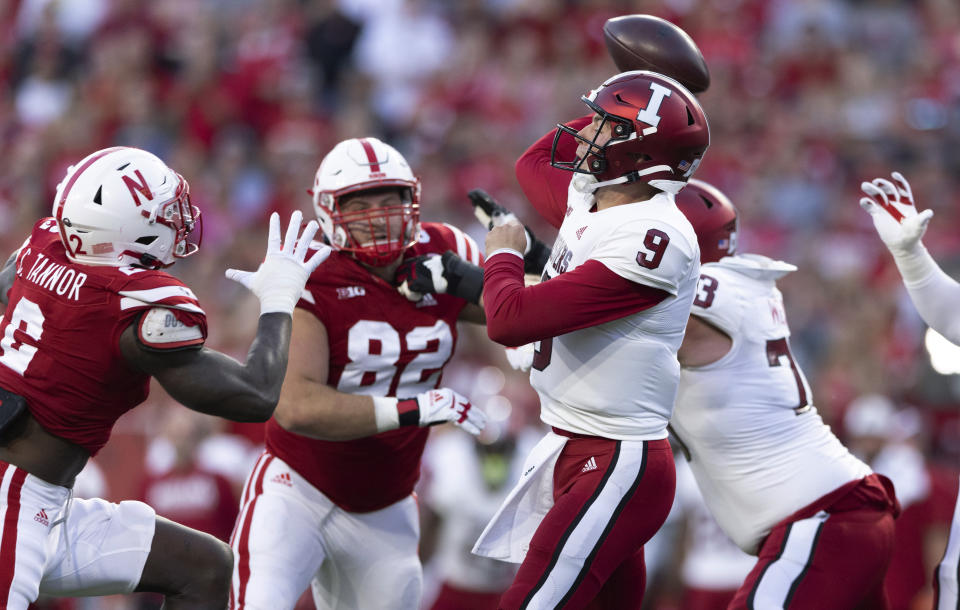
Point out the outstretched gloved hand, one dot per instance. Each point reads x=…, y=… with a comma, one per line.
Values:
x=894, y=212
x=280, y=279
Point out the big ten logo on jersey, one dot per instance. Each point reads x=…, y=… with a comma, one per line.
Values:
x=349, y=292
x=382, y=361
x=560, y=257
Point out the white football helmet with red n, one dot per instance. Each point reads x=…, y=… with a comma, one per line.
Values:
x=123, y=206
x=363, y=164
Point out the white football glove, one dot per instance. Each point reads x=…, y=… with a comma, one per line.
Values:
x=894, y=213
x=440, y=406
x=521, y=357
x=280, y=279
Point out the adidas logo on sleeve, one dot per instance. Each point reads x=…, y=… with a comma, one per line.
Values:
x=283, y=479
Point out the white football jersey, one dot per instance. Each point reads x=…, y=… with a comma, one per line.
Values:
x=711, y=560
x=619, y=379
x=759, y=449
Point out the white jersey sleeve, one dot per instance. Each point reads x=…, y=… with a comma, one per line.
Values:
x=728, y=288
x=648, y=252
x=721, y=308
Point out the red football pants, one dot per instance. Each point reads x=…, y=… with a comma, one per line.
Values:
x=610, y=497
x=832, y=555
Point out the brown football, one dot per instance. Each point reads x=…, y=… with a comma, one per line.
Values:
x=645, y=42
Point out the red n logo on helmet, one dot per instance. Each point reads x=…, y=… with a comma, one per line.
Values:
x=136, y=187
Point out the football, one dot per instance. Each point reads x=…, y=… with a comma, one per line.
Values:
x=645, y=42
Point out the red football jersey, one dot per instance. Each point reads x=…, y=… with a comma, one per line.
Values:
x=380, y=344
x=60, y=336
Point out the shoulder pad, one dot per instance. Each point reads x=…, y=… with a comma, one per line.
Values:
x=440, y=237
x=756, y=266
x=44, y=232
x=160, y=329
x=158, y=289
x=662, y=261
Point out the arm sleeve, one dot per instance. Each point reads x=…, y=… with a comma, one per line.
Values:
x=935, y=294
x=589, y=295
x=544, y=185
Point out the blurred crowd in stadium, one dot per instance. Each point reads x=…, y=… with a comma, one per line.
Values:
x=808, y=98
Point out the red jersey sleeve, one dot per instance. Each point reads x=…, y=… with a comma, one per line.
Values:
x=442, y=237
x=148, y=290
x=544, y=185
x=589, y=295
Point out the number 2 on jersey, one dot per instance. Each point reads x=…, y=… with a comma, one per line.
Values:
x=28, y=318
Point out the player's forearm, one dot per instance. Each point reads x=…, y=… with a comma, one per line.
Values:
x=935, y=294
x=266, y=363
x=248, y=391
x=208, y=381
x=586, y=296
x=318, y=411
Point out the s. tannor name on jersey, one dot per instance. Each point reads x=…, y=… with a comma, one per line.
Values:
x=51, y=276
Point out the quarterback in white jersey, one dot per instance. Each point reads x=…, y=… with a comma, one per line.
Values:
x=772, y=473
x=935, y=295
x=609, y=319
x=580, y=375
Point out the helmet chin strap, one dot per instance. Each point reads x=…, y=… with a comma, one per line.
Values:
x=588, y=183
x=584, y=183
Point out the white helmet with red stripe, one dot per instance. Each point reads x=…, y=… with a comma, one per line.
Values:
x=365, y=164
x=123, y=206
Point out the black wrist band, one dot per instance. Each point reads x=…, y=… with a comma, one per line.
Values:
x=536, y=259
x=408, y=412
x=464, y=279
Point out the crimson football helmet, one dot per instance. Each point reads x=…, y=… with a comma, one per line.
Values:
x=364, y=164
x=123, y=206
x=658, y=133
x=714, y=219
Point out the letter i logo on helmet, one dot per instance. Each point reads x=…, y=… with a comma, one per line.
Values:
x=658, y=133
x=123, y=206
x=355, y=166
